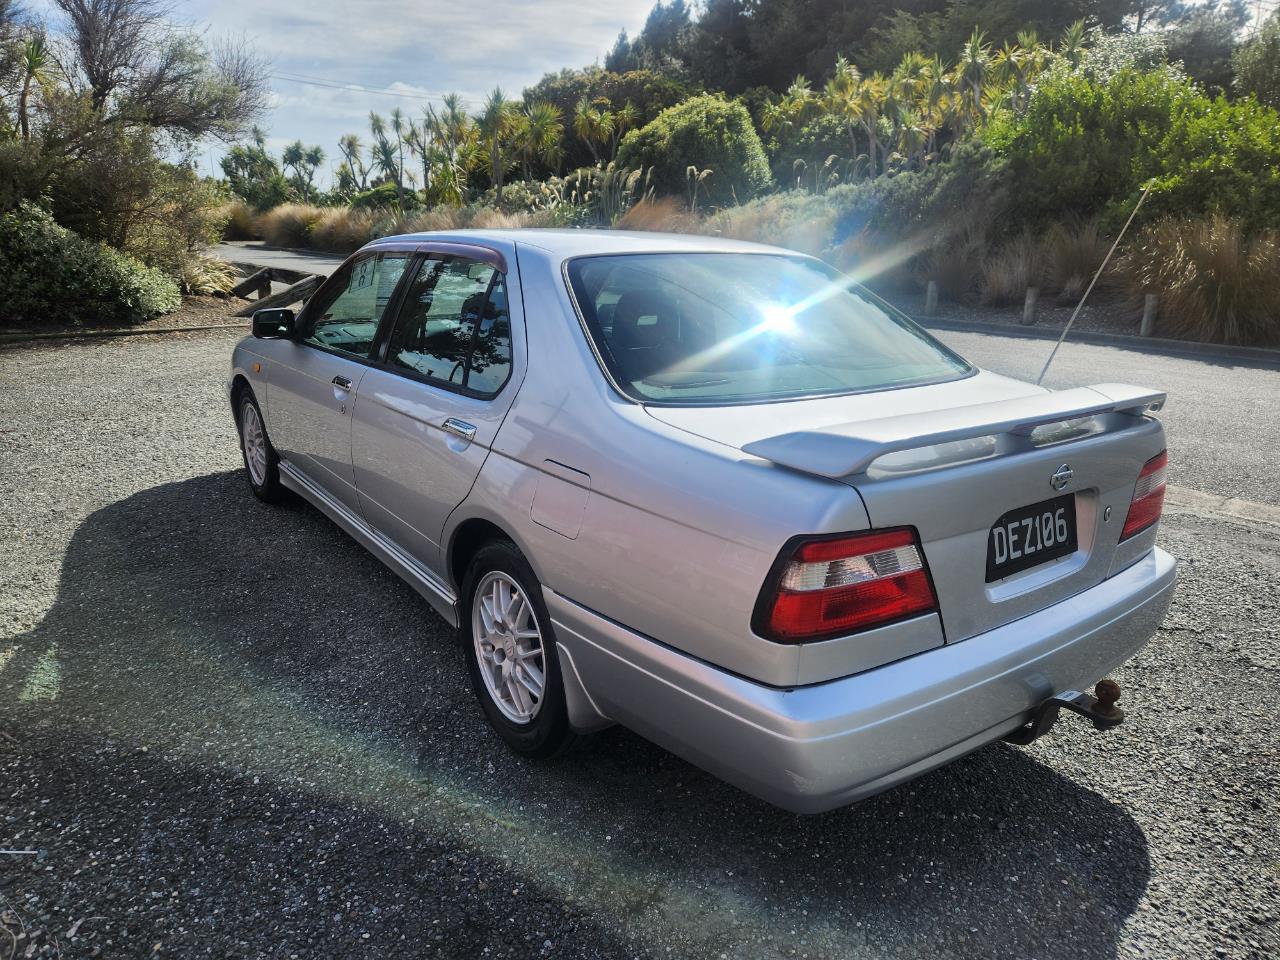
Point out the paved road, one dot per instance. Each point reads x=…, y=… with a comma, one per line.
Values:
x=206, y=711
x=252, y=251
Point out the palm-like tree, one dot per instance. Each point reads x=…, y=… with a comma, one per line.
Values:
x=593, y=123
x=538, y=132
x=973, y=72
x=303, y=161
x=495, y=125
x=1071, y=47
x=797, y=105
x=383, y=159
x=937, y=98
x=398, y=128
x=839, y=98
x=454, y=148
x=33, y=62
x=351, y=149
x=625, y=118
x=869, y=101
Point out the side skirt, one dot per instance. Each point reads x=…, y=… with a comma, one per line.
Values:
x=434, y=590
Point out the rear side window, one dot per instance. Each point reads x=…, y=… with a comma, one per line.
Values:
x=723, y=328
x=344, y=316
x=454, y=329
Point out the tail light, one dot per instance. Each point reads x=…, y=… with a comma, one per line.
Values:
x=1148, y=496
x=824, y=587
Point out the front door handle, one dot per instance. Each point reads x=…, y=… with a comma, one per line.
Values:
x=460, y=428
x=342, y=383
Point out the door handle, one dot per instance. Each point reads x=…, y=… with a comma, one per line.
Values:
x=342, y=383
x=459, y=428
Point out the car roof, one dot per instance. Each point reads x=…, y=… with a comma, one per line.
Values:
x=566, y=243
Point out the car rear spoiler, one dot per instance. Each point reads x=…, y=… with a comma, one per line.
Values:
x=845, y=449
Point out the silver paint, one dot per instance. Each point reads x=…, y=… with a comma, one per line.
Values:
x=653, y=528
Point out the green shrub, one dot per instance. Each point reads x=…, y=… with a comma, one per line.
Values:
x=706, y=132
x=381, y=197
x=185, y=214
x=1085, y=145
x=50, y=276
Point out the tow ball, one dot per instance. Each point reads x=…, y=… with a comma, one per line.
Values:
x=1100, y=708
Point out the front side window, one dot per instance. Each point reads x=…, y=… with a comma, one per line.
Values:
x=344, y=316
x=454, y=328
x=738, y=328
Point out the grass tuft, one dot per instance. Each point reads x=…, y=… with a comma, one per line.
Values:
x=1215, y=281
x=1013, y=268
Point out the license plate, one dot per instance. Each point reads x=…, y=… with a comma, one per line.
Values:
x=1029, y=536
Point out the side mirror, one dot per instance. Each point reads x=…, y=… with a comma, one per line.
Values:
x=273, y=324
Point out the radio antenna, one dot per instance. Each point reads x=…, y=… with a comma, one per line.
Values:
x=1105, y=260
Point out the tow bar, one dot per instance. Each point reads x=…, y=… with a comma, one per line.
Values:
x=1100, y=707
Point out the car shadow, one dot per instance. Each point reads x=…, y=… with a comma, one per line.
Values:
x=223, y=674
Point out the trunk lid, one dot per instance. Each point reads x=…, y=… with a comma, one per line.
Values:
x=951, y=460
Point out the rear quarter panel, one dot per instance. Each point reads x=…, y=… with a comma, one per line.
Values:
x=669, y=534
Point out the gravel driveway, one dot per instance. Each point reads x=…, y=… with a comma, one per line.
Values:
x=207, y=732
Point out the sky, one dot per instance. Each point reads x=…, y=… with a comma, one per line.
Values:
x=418, y=49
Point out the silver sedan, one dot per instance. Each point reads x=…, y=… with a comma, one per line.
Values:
x=719, y=493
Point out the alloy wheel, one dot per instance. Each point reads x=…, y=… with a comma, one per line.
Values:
x=254, y=438
x=508, y=642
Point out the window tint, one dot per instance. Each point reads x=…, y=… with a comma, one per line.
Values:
x=345, y=315
x=726, y=328
x=454, y=327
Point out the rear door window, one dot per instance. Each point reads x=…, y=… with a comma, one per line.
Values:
x=454, y=329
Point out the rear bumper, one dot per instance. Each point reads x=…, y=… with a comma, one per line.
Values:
x=814, y=748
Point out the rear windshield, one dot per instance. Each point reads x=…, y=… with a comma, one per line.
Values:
x=735, y=328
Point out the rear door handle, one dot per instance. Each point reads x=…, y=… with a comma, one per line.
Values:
x=460, y=428
x=342, y=383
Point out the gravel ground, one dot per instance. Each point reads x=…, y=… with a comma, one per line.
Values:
x=207, y=732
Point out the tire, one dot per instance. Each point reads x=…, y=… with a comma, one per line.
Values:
x=261, y=462
x=535, y=726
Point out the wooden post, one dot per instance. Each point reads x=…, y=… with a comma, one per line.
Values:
x=1030, y=305
x=931, y=299
x=254, y=281
x=1149, y=308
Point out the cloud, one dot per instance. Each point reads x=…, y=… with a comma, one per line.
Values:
x=419, y=50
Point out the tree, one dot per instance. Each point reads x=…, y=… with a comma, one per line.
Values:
x=1145, y=14
x=138, y=70
x=34, y=61
x=254, y=175
x=1257, y=64
x=303, y=161
x=351, y=149
x=121, y=89
x=1205, y=40
x=539, y=131
x=973, y=72
x=593, y=123
x=495, y=124
x=648, y=91
x=451, y=150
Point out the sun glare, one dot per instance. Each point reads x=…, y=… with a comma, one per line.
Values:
x=778, y=319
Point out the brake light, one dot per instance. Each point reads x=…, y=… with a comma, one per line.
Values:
x=828, y=587
x=1148, y=496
